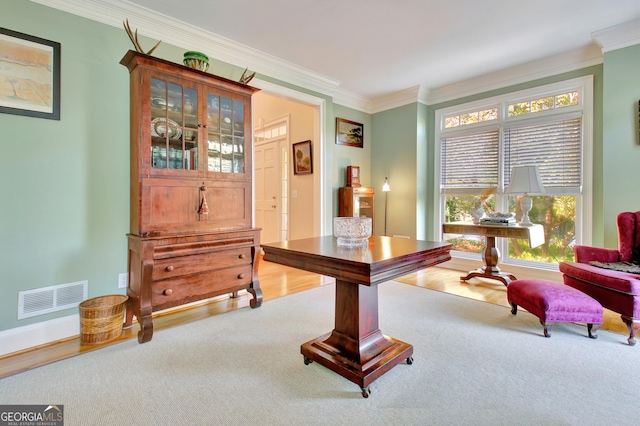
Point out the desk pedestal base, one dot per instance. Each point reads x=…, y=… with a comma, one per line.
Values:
x=491, y=257
x=356, y=349
x=361, y=374
x=490, y=273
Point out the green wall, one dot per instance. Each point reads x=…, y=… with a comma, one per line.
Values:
x=395, y=156
x=620, y=152
x=64, y=184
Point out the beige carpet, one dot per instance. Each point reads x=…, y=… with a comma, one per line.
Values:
x=474, y=363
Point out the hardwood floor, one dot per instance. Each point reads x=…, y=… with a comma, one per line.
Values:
x=276, y=281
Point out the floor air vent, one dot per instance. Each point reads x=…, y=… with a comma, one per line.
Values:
x=51, y=299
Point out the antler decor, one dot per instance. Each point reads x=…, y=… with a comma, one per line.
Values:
x=134, y=39
x=245, y=79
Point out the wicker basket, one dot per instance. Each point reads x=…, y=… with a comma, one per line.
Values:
x=101, y=318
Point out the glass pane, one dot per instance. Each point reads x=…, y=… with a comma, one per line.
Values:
x=158, y=89
x=190, y=133
x=452, y=121
x=226, y=154
x=238, y=118
x=488, y=114
x=542, y=104
x=518, y=109
x=213, y=156
x=226, y=115
x=469, y=118
x=238, y=155
x=557, y=214
x=567, y=99
x=213, y=113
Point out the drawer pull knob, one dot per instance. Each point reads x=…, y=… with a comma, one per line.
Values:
x=167, y=292
x=242, y=256
x=240, y=276
x=169, y=268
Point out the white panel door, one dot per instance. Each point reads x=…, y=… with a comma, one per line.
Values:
x=267, y=181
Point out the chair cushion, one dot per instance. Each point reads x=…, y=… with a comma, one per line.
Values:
x=620, y=281
x=551, y=301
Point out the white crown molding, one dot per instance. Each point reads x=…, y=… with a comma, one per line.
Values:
x=352, y=100
x=546, y=67
x=619, y=36
x=160, y=27
x=396, y=99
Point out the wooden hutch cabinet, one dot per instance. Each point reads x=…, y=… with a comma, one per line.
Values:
x=191, y=234
x=356, y=202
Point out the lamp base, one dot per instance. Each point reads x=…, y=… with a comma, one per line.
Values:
x=525, y=204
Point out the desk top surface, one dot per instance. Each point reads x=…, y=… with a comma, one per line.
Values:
x=534, y=233
x=383, y=258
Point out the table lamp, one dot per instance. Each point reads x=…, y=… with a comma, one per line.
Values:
x=525, y=180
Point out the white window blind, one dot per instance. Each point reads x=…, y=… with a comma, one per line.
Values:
x=469, y=162
x=555, y=147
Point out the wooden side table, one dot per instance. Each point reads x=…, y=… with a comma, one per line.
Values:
x=491, y=255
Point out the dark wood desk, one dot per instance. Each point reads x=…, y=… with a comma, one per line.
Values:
x=491, y=255
x=356, y=348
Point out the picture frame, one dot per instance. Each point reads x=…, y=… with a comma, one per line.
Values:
x=30, y=84
x=349, y=133
x=302, y=158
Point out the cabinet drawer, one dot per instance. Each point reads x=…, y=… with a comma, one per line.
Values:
x=195, y=287
x=187, y=265
x=363, y=191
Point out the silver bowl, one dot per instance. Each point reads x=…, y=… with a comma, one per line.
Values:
x=352, y=231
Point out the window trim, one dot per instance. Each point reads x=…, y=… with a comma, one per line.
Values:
x=584, y=203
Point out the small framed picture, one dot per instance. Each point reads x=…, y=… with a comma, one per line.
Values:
x=349, y=133
x=302, y=158
x=30, y=83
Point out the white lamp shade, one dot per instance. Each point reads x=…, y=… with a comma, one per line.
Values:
x=385, y=187
x=525, y=180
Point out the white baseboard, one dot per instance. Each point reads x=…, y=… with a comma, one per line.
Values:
x=28, y=336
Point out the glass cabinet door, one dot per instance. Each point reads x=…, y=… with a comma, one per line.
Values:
x=174, y=126
x=225, y=135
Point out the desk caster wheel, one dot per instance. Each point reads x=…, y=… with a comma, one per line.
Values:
x=366, y=392
x=410, y=360
x=307, y=361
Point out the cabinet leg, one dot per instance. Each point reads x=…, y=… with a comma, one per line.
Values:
x=256, y=301
x=146, y=329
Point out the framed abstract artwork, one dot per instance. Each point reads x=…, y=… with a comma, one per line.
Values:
x=30, y=83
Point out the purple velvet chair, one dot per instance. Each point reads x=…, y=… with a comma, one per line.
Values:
x=616, y=291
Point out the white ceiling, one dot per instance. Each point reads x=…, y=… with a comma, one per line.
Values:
x=374, y=48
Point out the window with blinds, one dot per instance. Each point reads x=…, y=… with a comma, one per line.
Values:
x=469, y=163
x=548, y=126
x=554, y=146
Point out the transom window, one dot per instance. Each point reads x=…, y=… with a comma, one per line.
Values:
x=479, y=143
